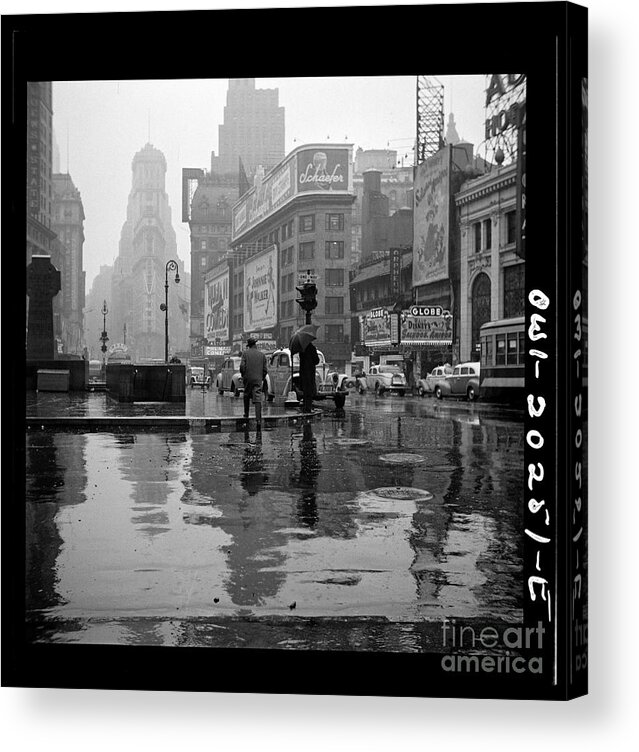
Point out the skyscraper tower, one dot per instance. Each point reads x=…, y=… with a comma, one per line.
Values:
x=147, y=242
x=253, y=129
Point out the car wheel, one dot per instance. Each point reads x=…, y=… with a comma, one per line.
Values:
x=379, y=390
x=471, y=393
x=422, y=391
x=361, y=389
x=438, y=392
x=220, y=390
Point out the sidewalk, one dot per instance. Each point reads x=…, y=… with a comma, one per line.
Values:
x=202, y=410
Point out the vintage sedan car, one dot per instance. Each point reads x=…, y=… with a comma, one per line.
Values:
x=462, y=382
x=197, y=377
x=229, y=378
x=386, y=378
x=278, y=379
x=427, y=384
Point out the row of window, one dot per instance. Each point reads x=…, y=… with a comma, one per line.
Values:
x=508, y=349
x=332, y=223
x=483, y=235
x=333, y=249
x=213, y=244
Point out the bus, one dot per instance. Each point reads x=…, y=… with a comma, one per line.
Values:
x=503, y=358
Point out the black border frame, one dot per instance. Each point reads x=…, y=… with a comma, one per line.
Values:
x=545, y=40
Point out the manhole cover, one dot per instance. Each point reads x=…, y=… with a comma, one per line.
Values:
x=351, y=442
x=402, y=459
x=402, y=493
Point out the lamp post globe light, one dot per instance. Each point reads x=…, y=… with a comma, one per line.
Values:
x=103, y=337
x=170, y=266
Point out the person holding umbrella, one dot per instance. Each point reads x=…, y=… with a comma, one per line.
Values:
x=253, y=370
x=302, y=343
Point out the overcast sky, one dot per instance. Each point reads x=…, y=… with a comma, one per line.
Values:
x=100, y=125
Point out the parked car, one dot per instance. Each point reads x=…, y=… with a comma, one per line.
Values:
x=229, y=378
x=278, y=378
x=427, y=384
x=386, y=378
x=462, y=382
x=198, y=378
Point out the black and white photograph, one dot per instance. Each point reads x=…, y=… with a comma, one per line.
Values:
x=304, y=392
x=275, y=364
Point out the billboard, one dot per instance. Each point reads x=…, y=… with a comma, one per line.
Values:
x=216, y=306
x=260, y=291
x=322, y=169
x=431, y=218
x=377, y=328
x=426, y=330
x=317, y=168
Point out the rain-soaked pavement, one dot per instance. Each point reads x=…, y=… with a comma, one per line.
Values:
x=360, y=529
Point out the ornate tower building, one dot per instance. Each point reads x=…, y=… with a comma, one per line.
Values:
x=147, y=243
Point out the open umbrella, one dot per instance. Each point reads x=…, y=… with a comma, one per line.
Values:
x=301, y=338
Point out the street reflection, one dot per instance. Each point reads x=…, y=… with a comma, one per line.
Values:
x=306, y=520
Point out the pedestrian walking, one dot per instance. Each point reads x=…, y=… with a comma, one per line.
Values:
x=253, y=370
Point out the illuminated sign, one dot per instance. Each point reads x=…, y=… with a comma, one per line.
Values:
x=426, y=330
x=377, y=328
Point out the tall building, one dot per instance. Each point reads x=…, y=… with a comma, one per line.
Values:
x=39, y=169
x=147, y=243
x=295, y=220
x=251, y=140
x=68, y=223
x=209, y=221
x=253, y=129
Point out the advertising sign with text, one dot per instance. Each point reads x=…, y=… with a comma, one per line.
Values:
x=216, y=307
x=426, y=330
x=431, y=219
x=323, y=169
x=377, y=328
x=260, y=291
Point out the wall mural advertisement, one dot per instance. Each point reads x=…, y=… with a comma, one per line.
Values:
x=260, y=291
x=323, y=169
x=431, y=218
x=216, y=307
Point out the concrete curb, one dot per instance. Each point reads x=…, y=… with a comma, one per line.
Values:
x=174, y=422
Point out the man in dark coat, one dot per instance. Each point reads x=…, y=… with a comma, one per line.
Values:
x=253, y=371
x=308, y=360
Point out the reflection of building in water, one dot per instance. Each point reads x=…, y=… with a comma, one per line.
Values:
x=55, y=477
x=148, y=467
x=254, y=518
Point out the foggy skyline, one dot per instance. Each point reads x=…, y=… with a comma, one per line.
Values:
x=99, y=126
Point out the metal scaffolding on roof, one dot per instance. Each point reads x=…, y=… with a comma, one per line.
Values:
x=430, y=117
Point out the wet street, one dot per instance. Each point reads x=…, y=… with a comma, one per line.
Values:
x=356, y=529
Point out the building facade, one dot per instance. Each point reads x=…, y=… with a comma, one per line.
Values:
x=492, y=275
x=147, y=244
x=40, y=233
x=297, y=218
x=68, y=224
x=210, y=229
x=253, y=129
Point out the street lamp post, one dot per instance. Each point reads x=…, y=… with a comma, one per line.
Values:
x=103, y=338
x=170, y=266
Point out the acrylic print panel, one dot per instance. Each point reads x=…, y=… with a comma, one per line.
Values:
x=395, y=533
